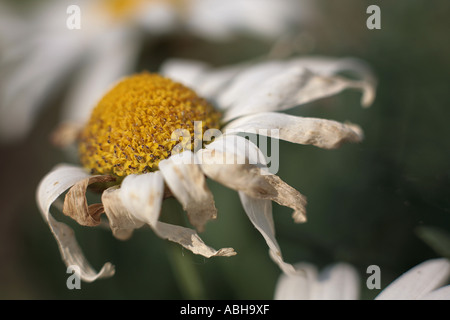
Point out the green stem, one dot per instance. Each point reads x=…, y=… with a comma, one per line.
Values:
x=186, y=274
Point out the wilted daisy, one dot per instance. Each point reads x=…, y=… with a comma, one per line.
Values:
x=130, y=148
x=98, y=41
x=426, y=281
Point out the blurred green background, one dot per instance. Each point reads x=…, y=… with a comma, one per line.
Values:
x=382, y=202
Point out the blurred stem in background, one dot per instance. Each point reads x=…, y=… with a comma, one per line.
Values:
x=184, y=270
x=185, y=273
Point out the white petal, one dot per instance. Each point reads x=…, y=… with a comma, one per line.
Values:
x=338, y=282
x=188, y=184
x=247, y=83
x=291, y=86
x=245, y=150
x=206, y=81
x=139, y=201
x=439, y=294
x=121, y=222
x=27, y=80
x=299, y=286
x=26, y=86
x=142, y=196
x=50, y=188
x=418, y=282
x=318, y=132
x=157, y=17
x=187, y=72
x=259, y=211
x=327, y=66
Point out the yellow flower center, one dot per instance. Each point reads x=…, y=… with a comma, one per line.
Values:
x=124, y=8
x=131, y=129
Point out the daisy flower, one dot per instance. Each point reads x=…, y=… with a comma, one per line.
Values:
x=39, y=50
x=340, y=281
x=130, y=149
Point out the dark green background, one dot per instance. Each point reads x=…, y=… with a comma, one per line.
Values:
x=366, y=202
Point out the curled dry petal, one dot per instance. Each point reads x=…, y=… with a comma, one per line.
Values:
x=288, y=88
x=247, y=178
x=50, y=188
x=322, y=133
x=75, y=203
x=138, y=201
x=189, y=239
x=188, y=184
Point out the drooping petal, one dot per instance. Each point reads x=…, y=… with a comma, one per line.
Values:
x=50, y=188
x=121, y=222
x=259, y=211
x=223, y=162
x=75, y=203
x=419, y=281
x=142, y=195
x=190, y=240
x=327, y=66
x=139, y=201
x=252, y=181
x=188, y=184
x=318, y=132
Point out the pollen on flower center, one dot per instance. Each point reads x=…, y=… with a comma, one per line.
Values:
x=130, y=130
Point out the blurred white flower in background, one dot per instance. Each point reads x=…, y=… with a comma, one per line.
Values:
x=339, y=281
x=426, y=281
x=38, y=51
